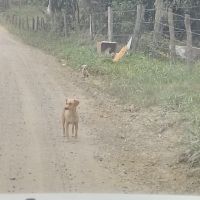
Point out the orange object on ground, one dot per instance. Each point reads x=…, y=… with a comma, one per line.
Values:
x=119, y=55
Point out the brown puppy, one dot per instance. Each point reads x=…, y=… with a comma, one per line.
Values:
x=70, y=116
x=84, y=71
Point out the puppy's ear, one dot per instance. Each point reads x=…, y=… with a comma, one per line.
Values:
x=76, y=102
x=66, y=101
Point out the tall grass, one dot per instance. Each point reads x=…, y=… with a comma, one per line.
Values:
x=145, y=81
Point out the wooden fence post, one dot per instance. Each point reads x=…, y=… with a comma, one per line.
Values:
x=8, y=19
x=33, y=24
x=189, y=39
x=42, y=23
x=27, y=23
x=138, y=25
x=172, y=35
x=91, y=27
x=65, y=24
x=23, y=27
x=110, y=22
x=159, y=5
x=13, y=19
x=15, y=22
x=37, y=23
x=20, y=22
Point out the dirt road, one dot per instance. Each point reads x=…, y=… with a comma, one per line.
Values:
x=34, y=156
x=117, y=150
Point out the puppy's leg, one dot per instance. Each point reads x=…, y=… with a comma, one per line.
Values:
x=67, y=129
x=64, y=131
x=76, y=129
x=72, y=130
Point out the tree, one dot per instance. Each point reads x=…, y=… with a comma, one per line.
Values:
x=63, y=12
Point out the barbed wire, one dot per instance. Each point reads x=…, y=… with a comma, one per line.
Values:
x=177, y=28
x=183, y=16
x=194, y=19
x=118, y=23
x=164, y=51
x=146, y=10
x=135, y=6
x=124, y=11
x=122, y=35
x=189, y=7
x=175, y=31
x=150, y=9
x=151, y=22
x=153, y=49
x=178, y=41
x=124, y=22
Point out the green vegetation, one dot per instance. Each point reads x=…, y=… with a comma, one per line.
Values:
x=143, y=80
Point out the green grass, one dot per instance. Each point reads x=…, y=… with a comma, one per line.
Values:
x=136, y=79
x=142, y=80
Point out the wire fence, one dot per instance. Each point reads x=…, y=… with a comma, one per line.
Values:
x=123, y=25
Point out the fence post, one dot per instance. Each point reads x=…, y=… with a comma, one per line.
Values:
x=65, y=24
x=172, y=35
x=138, y=25
x=13, y=19
x=19, y=22
x=41, y=23
x=91, y=27
x=189, y=39
x=8, y=19
x=33, y=24
x=27, y=23
x=22, y=22
x=16, y=20
x=37, y=23
x=110, y=21
x=159, y=5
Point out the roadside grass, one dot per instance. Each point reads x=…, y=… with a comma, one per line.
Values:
x=136, y=79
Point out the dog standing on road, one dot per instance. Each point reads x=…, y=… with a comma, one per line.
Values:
x=70, y=116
